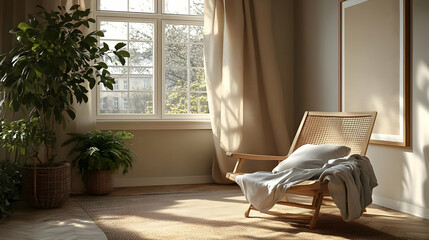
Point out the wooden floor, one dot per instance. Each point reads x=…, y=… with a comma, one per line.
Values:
x=71, y=222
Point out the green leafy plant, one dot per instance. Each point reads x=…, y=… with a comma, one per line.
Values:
x=98, y=151
x=10, y=185
x=23, y=138
x=52, y=67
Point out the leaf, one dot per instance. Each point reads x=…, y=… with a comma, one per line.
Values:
x=120, y=45
x=103, y=65
x=15, y=31
x=71, y=113
x=38, y=73
x=23, y=26
x=98, y=33
x=91, y=83
x=123, y=53
x=74, y=7
x=121, y=59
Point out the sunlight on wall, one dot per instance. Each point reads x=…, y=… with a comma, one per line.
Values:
x=415, y=165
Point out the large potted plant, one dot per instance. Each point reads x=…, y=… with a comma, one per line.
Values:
x=53, y=66
x=98, y=155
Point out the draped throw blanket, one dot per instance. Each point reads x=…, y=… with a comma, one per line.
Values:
x=351, y=181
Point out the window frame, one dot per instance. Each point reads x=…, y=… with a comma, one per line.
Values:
x=159, y=20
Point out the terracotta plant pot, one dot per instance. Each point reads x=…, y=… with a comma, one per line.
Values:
x=53, y=185
x=99, y=182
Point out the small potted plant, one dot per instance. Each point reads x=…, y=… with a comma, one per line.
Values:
x=99, y=154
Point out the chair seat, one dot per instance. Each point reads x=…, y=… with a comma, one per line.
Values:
x=309, y=185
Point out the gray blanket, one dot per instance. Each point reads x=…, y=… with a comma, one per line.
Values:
x=351, y=180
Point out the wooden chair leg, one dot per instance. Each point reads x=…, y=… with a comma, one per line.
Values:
x=317, y=202
x=246, y=214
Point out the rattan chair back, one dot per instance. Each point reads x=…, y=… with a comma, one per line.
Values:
x=338, y=128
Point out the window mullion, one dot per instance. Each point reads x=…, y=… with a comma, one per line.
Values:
x=160, y=6
x=188, y=63
x=189, y=7
x=160, y=73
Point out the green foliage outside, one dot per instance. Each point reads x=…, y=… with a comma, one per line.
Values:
x=98, y=151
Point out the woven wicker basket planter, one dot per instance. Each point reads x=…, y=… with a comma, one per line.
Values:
x=99, y=182
x=53, y=185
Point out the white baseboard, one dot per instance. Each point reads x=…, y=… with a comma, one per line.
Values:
x=401, y=206
x=134, y=182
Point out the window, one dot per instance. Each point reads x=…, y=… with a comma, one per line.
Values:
x=164, y=77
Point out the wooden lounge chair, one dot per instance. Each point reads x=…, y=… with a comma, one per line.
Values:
x=339, y=128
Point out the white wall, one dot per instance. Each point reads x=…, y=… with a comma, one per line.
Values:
x=402, y=172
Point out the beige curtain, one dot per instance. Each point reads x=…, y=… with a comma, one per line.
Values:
x=244, y=83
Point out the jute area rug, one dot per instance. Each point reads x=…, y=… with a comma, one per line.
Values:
x=210, y=214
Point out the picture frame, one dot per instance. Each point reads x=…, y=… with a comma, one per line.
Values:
x=374, y=65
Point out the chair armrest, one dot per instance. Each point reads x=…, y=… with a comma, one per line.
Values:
x=243, y=156
x=255, y=156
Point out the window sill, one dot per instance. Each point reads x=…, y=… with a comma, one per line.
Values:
x=152, y=124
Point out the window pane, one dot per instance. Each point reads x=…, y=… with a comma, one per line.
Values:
x=196, y=33
x=197, y=59
x=121, y=84
x=176, y=79
x=127, y=6
x=197, y=7
x=199, y=103
x=176, y=6
x=113, y=5
x=139, y=70
x=176, y=33
x=134, y=88
x=141, y=31
x=191, y=7
x=176, y=54
x=198, y=83
x=184, y=74
x=113, y=102
x=114, y=30
x=141, y=53
x=176, y=103
x=141, y=82
x=141, y=102
x=141, y=5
